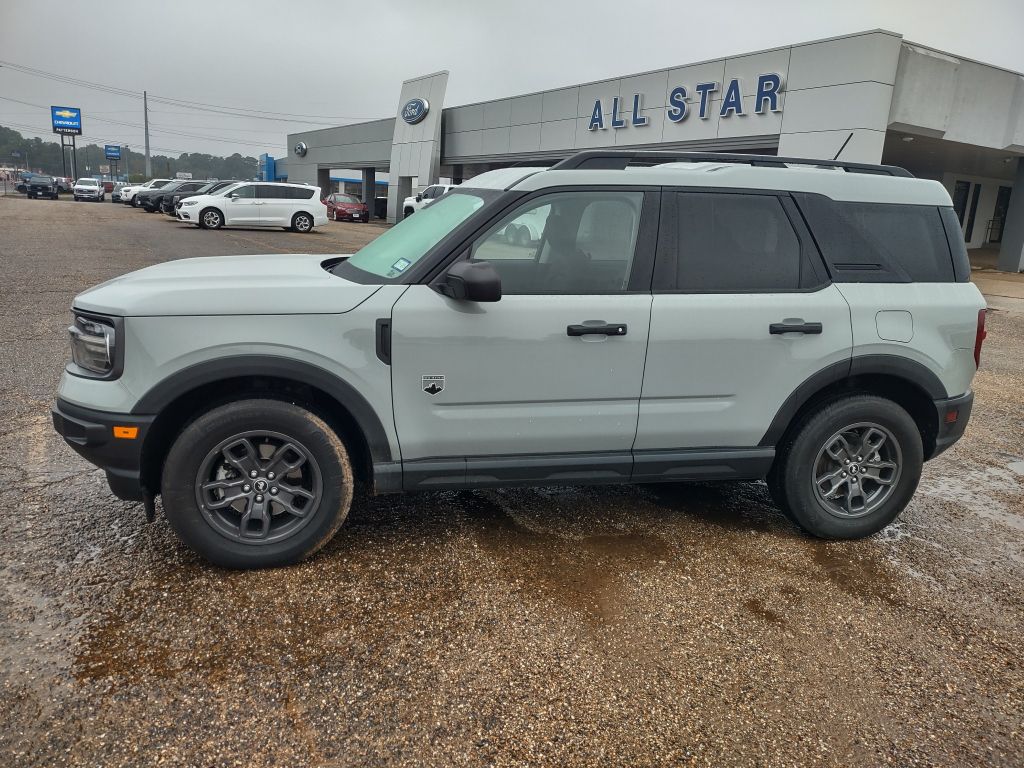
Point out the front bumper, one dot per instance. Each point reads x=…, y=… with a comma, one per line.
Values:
x=83, y=195
x=953, y=415
x=91, y=434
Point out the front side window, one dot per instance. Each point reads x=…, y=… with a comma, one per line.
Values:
x=565, y=243
x=398, y=249
x=731, y=243
x=244, y=192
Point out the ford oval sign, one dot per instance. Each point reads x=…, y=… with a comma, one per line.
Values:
x=415, y=110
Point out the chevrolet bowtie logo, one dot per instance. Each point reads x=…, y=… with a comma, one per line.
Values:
x=65, y=113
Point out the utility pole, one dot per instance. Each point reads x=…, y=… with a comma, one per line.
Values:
x=145, y=117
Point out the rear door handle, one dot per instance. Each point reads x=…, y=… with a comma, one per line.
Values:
x=603, y=329
x=776, y=328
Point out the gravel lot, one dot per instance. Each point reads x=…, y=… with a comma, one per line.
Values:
x=624, y=626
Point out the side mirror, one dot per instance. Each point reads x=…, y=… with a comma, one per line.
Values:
x=233, y=195
x=419, y=198
x=471, y=281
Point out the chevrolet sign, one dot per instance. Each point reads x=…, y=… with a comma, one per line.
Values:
x=66, y=120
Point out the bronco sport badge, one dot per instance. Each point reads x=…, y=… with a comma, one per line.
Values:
x=433, y=384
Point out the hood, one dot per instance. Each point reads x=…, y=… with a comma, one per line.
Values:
x=272, y=284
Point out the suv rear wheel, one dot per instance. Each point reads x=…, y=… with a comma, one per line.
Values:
x=849, y=468
x=257, y=483
x=302, y=222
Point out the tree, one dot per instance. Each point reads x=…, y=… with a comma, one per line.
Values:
x=45, y=157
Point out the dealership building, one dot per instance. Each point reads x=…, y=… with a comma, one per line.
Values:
x=870, y=97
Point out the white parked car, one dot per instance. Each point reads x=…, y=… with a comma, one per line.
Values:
x=128, y=193
x=257, y=204
x=89, y=189
x=420, y=199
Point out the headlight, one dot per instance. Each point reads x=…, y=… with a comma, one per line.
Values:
x=189, y=202
x=93, y=344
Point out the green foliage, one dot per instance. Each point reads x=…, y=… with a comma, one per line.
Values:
x=44, y=156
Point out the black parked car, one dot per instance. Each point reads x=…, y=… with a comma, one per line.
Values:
x=169, y=204
x=150, y=199
x=41, y=186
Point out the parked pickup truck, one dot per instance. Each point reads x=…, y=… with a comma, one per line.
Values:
x=41, y=186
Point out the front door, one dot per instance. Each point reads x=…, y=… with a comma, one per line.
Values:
x=742, y=315
x=241, y=208
x=544, y=383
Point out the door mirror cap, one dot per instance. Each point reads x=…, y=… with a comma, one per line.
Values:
x=233, y=195
x=471, y=281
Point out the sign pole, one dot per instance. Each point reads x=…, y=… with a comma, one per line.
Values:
x=74, y=158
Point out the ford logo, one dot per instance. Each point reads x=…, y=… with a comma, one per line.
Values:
x=415, y=110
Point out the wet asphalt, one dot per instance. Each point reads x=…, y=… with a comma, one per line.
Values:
x=658, y=625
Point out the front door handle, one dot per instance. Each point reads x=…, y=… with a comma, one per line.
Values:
x=797, y=327
x=604, y=329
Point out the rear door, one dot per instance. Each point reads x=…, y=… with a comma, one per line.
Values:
x=241, y=208
x=276, y=205
x=742, y=314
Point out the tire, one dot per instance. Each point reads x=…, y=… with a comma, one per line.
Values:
x=523, y=237
x=211, y=218
x=871, y=491
x=227, y=535
x=302, y=222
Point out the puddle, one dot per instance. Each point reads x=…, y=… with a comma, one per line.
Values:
x=587, y=573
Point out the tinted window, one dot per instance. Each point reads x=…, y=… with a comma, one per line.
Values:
x=566, y=243
x=247, y=191
x=731, y=243
x=880, y=242
x=272, y=192
x=302, y=194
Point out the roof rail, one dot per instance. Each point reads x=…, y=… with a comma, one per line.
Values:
x=617, y=160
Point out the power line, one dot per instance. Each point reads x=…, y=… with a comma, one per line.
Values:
x=221, y=139
x=256, y=114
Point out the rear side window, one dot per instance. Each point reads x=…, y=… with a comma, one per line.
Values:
x=880, y=242
x=729, y=243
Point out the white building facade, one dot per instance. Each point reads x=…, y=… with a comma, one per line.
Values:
x=870, y=97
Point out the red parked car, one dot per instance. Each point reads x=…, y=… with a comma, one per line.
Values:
x=342, y=207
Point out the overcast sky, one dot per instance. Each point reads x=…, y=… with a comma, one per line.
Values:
x=339, y=61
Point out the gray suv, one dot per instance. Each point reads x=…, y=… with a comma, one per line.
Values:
x=656, y=318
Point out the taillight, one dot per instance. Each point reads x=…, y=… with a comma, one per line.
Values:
x=979, y=337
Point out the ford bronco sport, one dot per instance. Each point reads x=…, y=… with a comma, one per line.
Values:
x=679, y=317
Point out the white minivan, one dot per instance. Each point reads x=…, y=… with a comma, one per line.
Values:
x=257, y=204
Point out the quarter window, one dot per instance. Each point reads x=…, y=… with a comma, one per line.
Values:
x=565, y=243
x=880, y=242
x=731, y=243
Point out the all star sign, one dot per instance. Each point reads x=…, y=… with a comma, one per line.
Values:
x=681, y=99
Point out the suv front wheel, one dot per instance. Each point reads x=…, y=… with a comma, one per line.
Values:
x=849, y=468
x=256, y=484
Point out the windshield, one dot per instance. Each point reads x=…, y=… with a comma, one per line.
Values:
x=229, y=188
x=403, y=245
x=41, y=180
x=344, y=199
x=87, y=183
